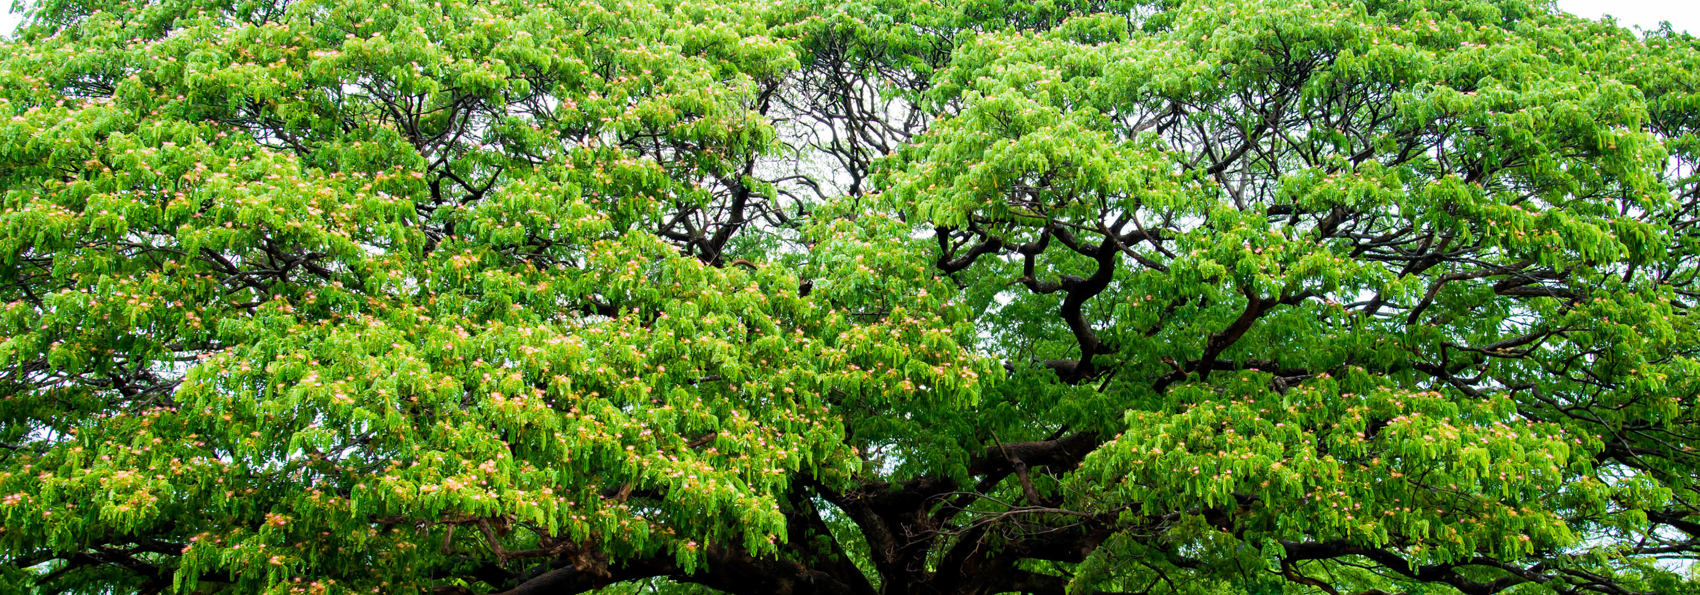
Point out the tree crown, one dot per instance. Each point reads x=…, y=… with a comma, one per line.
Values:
x=787, y=296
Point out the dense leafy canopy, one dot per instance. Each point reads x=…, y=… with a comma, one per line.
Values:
x=889, y=296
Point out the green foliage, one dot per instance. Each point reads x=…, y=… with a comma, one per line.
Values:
x=784, y=296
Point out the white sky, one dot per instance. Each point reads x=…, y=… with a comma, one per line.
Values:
x=1683, y=14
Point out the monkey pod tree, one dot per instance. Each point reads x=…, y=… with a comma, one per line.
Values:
x=894, y=297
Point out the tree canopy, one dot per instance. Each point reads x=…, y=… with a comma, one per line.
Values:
x=871, y=297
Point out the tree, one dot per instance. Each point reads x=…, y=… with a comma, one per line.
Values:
x=791, y=296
